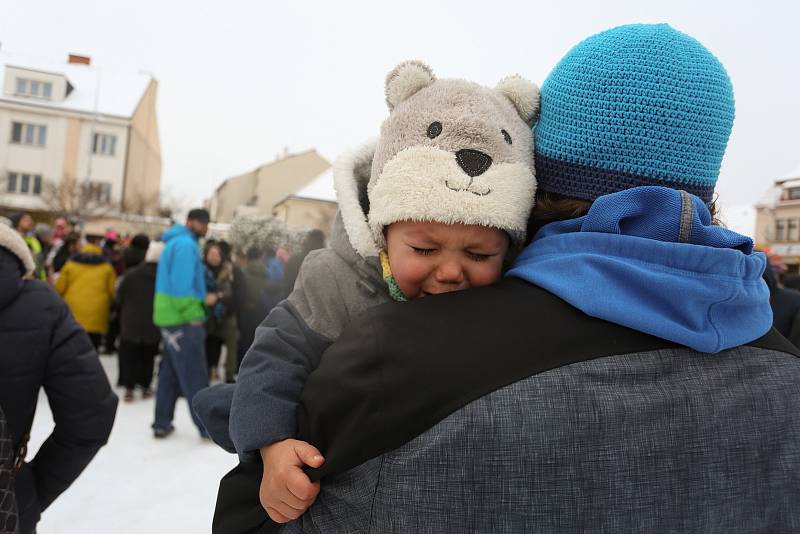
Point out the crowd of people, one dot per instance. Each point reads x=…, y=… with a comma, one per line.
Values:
x=108, y=282
x=130, y=296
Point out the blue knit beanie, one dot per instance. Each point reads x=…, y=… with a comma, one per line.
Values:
x=635, y=105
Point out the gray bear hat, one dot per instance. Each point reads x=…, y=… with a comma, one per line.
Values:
x=453, y=151
x=13, y=242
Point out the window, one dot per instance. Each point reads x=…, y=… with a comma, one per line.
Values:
x=34, y=88
x=24, y=183
x=779, y=227
x=99, y=192
x=28, y=134
x=791, y=230
x=105, y=144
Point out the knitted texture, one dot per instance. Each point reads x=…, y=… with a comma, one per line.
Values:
x=394, y=289
x=635, y=105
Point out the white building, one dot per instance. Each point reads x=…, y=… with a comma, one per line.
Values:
x=69, y=127
x=778, y=219
x=312, y=207
x=258, y=191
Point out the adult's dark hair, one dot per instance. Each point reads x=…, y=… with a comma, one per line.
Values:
x=72, y=238
x=64, y=253
x=198, y=214
x=140, y=241
x=225, y=249
x=15, y=218
x=552, y=207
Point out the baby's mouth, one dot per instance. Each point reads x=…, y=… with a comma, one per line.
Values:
x=469, y=188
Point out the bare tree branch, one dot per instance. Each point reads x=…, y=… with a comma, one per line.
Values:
x=82, y=199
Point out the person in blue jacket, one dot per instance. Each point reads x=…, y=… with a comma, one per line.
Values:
x=179, y=310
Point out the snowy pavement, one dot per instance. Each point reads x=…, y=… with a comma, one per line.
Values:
x=137, y=484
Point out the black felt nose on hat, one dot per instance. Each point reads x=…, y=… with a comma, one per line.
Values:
x=474, y=162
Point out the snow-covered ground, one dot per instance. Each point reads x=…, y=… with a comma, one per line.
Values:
x=137, y=484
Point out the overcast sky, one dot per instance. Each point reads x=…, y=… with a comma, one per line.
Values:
x=241, y=80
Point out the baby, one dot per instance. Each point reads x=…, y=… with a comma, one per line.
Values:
x=435, y=206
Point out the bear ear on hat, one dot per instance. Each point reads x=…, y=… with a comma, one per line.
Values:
x=523, y=94
x=406, y=79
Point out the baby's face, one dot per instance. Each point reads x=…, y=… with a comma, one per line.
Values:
x=428, y=258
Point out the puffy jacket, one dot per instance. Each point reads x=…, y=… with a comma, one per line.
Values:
x=87, y=284
x=44, y=347
x=135, y=296
x=334, y=284
x=180, y=280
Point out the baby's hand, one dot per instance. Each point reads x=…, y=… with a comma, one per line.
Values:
x=286, y=492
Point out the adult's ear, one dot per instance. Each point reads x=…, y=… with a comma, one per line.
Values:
x=523, y=94
x=406, y=79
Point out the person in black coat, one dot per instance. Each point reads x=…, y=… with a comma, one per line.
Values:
x=785, y=307
x=43, y=346
x=254, y=296
x=139, y=337
x=135, y=253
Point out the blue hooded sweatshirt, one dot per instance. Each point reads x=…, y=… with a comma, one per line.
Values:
x=648, y=258
x=180, y=280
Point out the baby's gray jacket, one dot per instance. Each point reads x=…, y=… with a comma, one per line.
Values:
x=334, y=284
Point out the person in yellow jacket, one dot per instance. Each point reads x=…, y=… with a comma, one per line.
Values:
x=87, y=284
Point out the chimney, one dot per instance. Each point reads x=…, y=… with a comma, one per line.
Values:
x=80, y=60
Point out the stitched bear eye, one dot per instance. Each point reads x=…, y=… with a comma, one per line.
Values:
x=434, y=129
x=506, y=136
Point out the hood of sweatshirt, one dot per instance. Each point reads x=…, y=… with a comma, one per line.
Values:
x=649, y=258
x=90, y=255
x=177, y=230
x=351, y=237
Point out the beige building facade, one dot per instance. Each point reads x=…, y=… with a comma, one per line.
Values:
x=77, y=139
x=260, y=190
x=313, y=207
x=778, y=219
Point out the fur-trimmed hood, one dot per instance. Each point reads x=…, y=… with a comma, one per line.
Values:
x=90, y=255
x=351, y=174
x=12, y=242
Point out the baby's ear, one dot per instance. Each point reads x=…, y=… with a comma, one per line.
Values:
x=406, y=79
x=523, y=94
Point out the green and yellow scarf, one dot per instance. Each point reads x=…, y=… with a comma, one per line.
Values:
x=394, y=290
